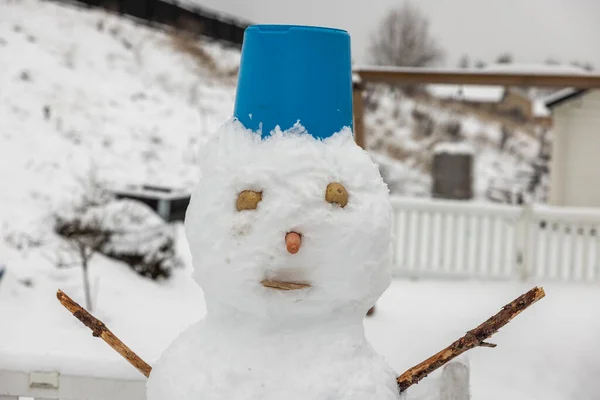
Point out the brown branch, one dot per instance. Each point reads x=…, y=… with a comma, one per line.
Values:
x=474, y=338
x=100, y=330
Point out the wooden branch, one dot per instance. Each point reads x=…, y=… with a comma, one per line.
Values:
x=100, y=330
x=279, y=285
x=473, y=338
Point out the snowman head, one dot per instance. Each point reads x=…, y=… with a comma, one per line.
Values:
x=289, y=227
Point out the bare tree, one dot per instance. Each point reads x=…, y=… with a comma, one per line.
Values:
x=505, y=58
x=85, y=246
x=82, y=240
x=479, y=64
x=464, y=62
x=403, y=39
x=585, y=65
x=83, y=235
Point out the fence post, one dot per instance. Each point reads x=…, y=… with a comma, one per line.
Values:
x=358, y=111
x=523, y=246
x=454, y=383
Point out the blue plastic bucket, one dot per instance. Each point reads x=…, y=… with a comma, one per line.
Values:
x=291, y=73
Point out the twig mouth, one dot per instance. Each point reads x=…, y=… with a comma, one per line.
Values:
x=281, y=285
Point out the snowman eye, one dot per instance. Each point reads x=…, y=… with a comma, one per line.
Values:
x=248, y=200
x=336, y=194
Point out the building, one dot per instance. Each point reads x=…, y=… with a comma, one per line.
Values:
x=487, y=97
x=513, y=102
x=575, y=162
x=516, y=102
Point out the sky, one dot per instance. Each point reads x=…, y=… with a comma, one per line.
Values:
x=532, y=30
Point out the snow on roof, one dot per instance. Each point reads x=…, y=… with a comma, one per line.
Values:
x=538, y=69
x=562, y=95
x=539, y=109
x=492, y=94
x=523, y=69
x=453, y=148
x=472, y=93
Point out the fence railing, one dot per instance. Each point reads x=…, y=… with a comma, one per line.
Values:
x=458, y=239
x=51, y=385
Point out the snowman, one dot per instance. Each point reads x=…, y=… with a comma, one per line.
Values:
x=289, y=231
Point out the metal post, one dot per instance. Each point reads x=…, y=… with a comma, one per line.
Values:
x=164, y=209
x=454, y=383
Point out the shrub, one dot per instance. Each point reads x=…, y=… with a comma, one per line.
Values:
x=125, y=230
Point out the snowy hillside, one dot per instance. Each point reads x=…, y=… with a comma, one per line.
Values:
x=86, y=91
x=85, y=97
x=403, y=133
x=90, y=97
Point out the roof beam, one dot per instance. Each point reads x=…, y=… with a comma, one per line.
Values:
x=399, y=75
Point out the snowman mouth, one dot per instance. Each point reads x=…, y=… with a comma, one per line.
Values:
x=284, y=285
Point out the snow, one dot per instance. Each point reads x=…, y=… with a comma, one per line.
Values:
x=132, y=229
x=539, y=352
x=470, y=93
x=89, y=98
x=277, y=341
x=399, y=142
x=401, y=177
x=512, y=68
x=533, y=68
x=83, y=90
x=453, y=148
x=559, y=94
x=46, y=337
x=540, y=109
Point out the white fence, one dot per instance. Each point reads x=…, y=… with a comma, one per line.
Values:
x=458, y=239
x=16, y=385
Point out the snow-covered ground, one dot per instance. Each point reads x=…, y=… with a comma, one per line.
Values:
x=549, y=352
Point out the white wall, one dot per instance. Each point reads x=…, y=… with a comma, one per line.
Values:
x=575, y=168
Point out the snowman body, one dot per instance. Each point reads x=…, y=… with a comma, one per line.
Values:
x=215, y=361
x=258, y=341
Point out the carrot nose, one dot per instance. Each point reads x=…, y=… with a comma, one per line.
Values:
x=293, y=241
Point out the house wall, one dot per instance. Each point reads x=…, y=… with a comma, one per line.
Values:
x=575, y=165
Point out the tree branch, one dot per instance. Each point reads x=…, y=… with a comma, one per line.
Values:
x=473, y=338
x=100, y=330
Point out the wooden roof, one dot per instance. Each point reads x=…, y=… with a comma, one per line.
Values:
x=400, y=75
